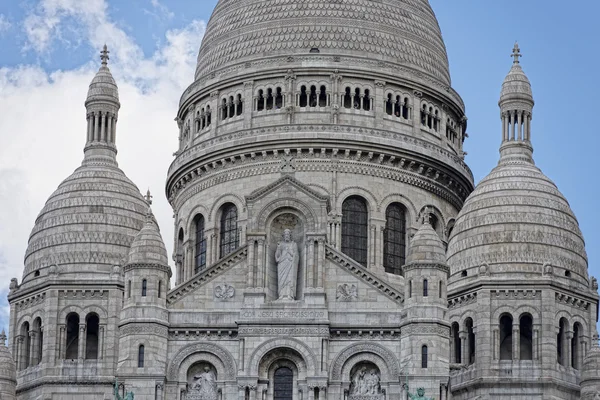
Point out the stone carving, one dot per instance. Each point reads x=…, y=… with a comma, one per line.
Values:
x=365, y=383
x=224, y=291
x=594, y=283
x=548, y=270
x=346, y=292
x=287, y=259
x=14, y=284
x=203, y=384
x=419, y=396
x=484, y=270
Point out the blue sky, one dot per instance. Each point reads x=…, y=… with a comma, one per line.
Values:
x=49, y=54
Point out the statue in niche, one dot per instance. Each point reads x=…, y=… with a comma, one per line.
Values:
x=287, y=259
x=366, y=382
x=204, y=386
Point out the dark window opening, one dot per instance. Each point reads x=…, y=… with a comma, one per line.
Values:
x=231, y=107
x=159, y=289
x=224, y=110
x=576, y=346
x=91, y=337
x=229, y=231
x=424, y=355
x=355, y=229
x=457, y=345
x=283, y=388
x=240, y=105
x=278, y=99
x=141, y=356
x=200, y=245
x=72, y=340
x=303, y=97
x=144, y=287
x=270, y=99
x=323, y=97
x=425, y=288
x=313, y=96
x=357, y=99
x=394, y=247
x=367, y=101
x=471, y=341
x=526, y=337
x=405, y=109
x=347, y=99
x=388, y=105
x=260, y=103
x=506, y=338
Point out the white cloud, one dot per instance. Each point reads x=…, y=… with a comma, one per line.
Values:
x=161, y=11
x=42, y=129
x=5, y=24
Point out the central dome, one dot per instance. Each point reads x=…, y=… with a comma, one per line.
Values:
x=403, y=33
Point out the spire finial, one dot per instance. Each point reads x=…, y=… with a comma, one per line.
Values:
x=148, y=197
x=516, y=53
x=104, y=56
x=3, y=338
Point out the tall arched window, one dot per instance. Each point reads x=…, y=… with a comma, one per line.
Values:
x=470, y=341
x=229, y=231
x=394, y=246
x=440, y=288
x=39, y=340
x=560, y=342
x=526, y=337
x=200, y=246
x=355, y=229
x=141, y=355
x=456, y=343
x=92, y=323
x=409, y=289
x=425, y=288
x=72, y=339
x=144, y=287
x=26, y=346
x=576, y=346
x=284, y=384
x=506, y=338
x=424, y=355
x=159, y=289
x=129, y=289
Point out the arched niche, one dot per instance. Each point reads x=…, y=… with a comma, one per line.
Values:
x=203, y=382
x=280, y=221
x=282, y=371
x=365, y=381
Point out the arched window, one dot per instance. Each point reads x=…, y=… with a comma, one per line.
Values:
x=355, y=229
x=283, y=388
x=92, y=323
x=394, y=245
x=26, y=345
x=526, y=337
x=144, y=287
x=323, y=97
x=231, y=107
x=239, y=105
x=72, y=339
x=141, y=356
x=440, y=288
x=224, y=109
x=424, y=357
x=576, y=346
x=506, y=338
x=561, y=340
x=270, y=99
x=347, y=98
x=456, y=343
x=129, y=289
x=229, y=231
x=159, y=289
x=313, y=97
x=434, y=221
x=389, y=105
x=303, y=97
x=208, y=113
x=367, y=100
x=425, y=288
x=356, y=104
x=200, y=246
x=409, y=289
x=260, y=103
x=405, y=108
x=424, y=115
x=278, y=99
x=470, y=341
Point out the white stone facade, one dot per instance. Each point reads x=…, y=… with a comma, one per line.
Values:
x=351, y=139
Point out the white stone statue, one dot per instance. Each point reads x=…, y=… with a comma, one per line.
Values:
x=365, y=382
x=205, y=385
x=287, y=259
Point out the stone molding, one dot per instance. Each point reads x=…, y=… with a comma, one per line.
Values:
x=203, y=347
x=282, y=343
x=137, y=328
x=363, y=274
x=207, y=275
x=425, y=329
x=265, y=331
x=364, y=348
x=196, y=334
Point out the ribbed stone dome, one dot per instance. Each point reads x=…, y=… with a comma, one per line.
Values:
x=399, y=32
x=516, y=85
x=88, y=223
x=148, y=246
x=518, y=220
x=426, y=247
x=8, y=370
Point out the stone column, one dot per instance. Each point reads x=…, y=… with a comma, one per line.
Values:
x=516, y=336
x=311, y=263
x=90, y=127
x=534, y=344
x=19, y=353
x=33, y=347
x=159, y=391
x=251, y=263
x=114, y=129
x=463, y=348
x=96, y=126
x=101, y=342
x=61, y=343
x=320, y=263
x=109, y=129
x=81, y=342
x=372, y=246
x=253, y=392
x=242, y=392
x=311, y=393
x=102, y=126
x=260, y=262
x=567, y=348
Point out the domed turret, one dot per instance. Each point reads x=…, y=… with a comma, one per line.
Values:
x=517, y=221
x=426, y=246
x=102, y=208
x=8, y=371
x=590, y=374
x=148, y=246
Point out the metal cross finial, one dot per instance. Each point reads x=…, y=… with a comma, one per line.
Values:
x=516, y=53
x=104, y=55
x=148, y=197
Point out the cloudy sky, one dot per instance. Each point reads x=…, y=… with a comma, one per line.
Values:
x=50, y=53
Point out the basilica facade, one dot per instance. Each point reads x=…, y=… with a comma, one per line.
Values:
x=330, y=243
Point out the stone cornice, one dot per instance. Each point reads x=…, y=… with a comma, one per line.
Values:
x=363, y=274
x=207, y=275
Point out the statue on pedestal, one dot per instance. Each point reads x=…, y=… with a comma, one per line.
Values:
x=420, y=395
x=128, y=395
x=287, y=259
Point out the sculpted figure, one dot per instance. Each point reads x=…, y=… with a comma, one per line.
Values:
x=419, y=396
x=358, y=382
x=287, y=260
x=205, y=384
x=372, y=383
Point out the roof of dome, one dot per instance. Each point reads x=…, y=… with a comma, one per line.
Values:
x=103, y=87
x=517, y=216
x=8, y=369
x=88, y=222
x=591, y=362
x=148, y=246
x=516, y=85
x=404, y=33
x=426, y=246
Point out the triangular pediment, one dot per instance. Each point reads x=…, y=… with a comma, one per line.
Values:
x=286, y=181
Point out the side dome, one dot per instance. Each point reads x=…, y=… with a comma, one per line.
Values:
x=148, y=246
x=87, y=225
x=426, y=247
x=517, y=222
x=8, y=371
x=402, y=33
